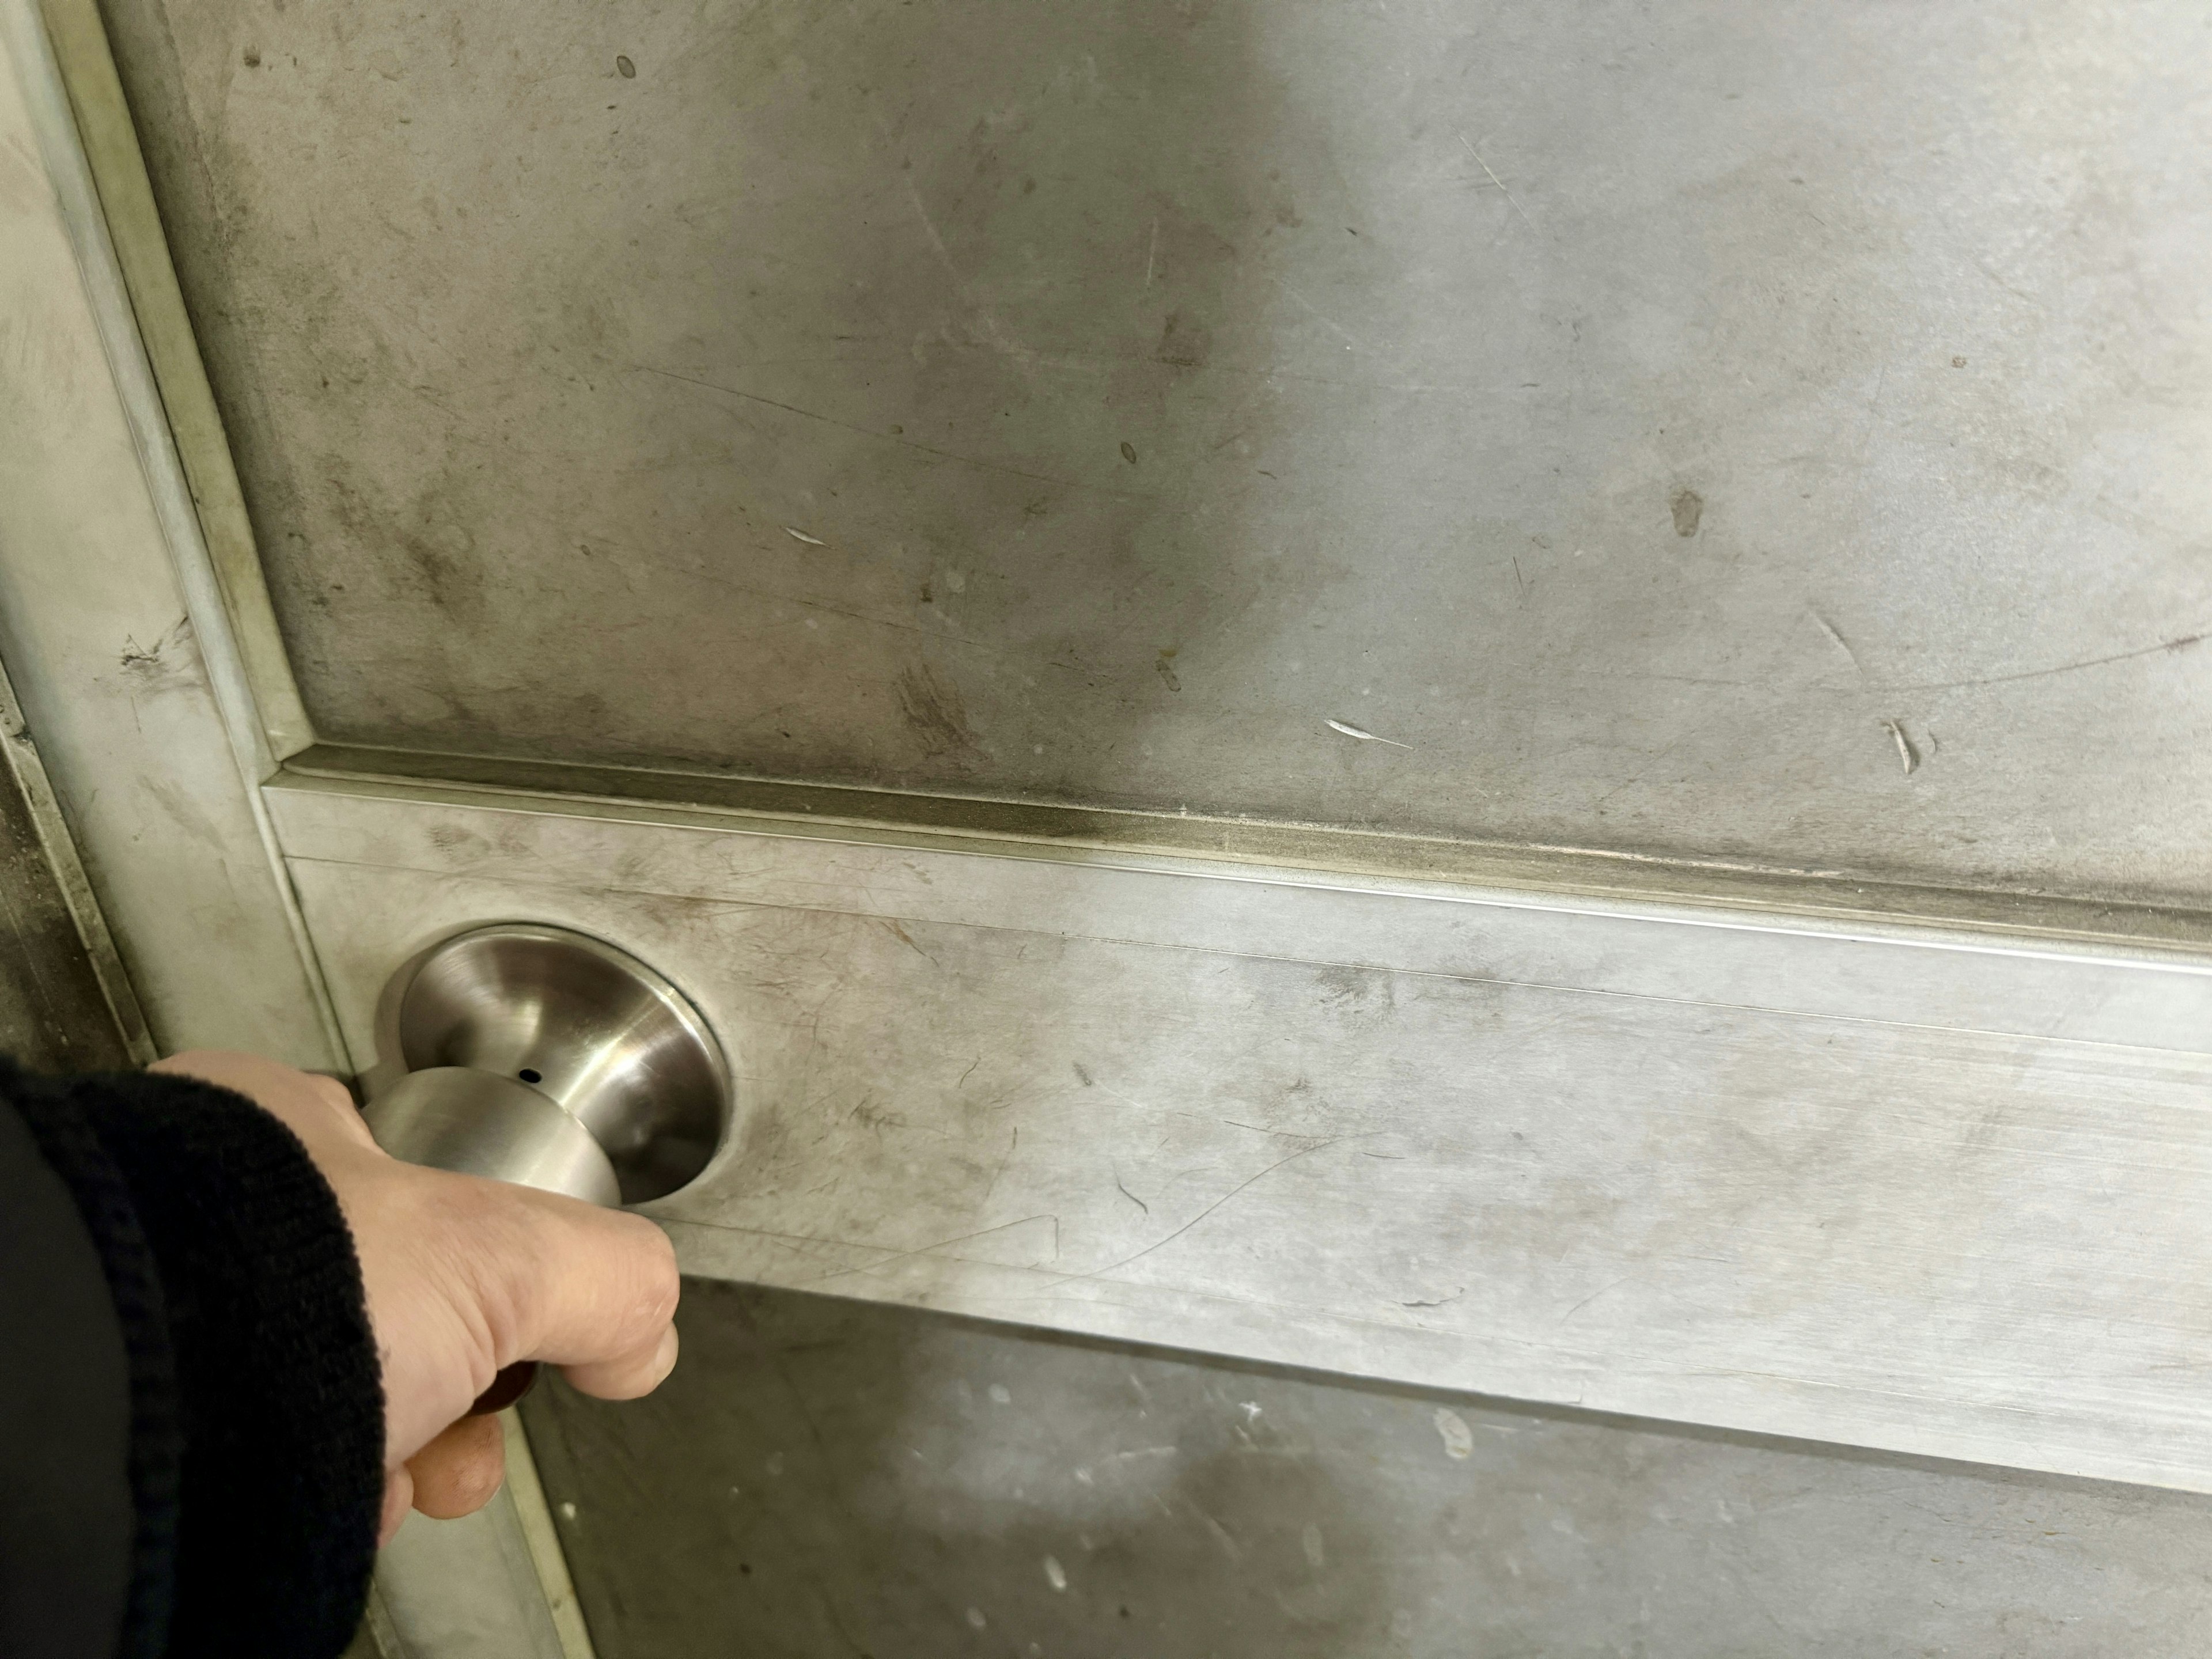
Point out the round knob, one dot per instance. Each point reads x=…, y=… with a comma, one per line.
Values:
x=572, y=1021
x=479, y=1123
x=552, y=1059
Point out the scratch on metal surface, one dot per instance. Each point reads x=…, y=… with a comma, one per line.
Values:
x=929, y=225
x=1364, y=736
x=1499, y=182
x=1837, y=638
x=1593, y=1296
x=871, y=1269
x=890, y=438
x=1326, y=321
x=696, y=573
x=2183, y=643
x=1256, y=1129
x=907, y=940
x=1141, y=1451
x=1013, y=1145
x=1292, y=1158
x=1907, y=755
x=1229, y=1545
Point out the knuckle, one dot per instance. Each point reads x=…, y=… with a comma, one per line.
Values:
x=661, y=1290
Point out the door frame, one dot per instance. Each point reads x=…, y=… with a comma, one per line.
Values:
x=148, y=701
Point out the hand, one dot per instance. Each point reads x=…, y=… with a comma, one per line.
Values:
x=465, y=1276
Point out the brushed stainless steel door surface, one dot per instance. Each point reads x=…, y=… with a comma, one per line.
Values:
x=1764, y=432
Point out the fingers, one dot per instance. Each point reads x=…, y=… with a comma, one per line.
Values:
x=464, y=1276
x=598, y=1299
x=458, y=1473
x=628, y=1376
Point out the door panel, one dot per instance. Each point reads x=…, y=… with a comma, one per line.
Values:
x=831, y=1477
x=1691, y=431
x=1924, y=1193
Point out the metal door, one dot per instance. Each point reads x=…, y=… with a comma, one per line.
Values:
x=1496, y=697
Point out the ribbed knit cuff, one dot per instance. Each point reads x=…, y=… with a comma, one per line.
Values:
x=279, y=1403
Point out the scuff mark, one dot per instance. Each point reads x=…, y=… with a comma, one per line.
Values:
x=1165, y=667
x=1688, y=508
x=1458, y=1438
x=1442, y=1301
x=165, y=665
x=933, y=713
x=185, y=814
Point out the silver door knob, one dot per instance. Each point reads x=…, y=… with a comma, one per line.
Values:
x=550, y=1059
x=480, y=1123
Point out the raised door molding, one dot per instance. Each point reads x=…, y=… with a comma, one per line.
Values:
x=1926, y=1191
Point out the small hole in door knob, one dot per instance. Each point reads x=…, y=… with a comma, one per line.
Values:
x=624, y=1084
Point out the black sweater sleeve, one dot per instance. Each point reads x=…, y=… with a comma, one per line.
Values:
x=254, y=1459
